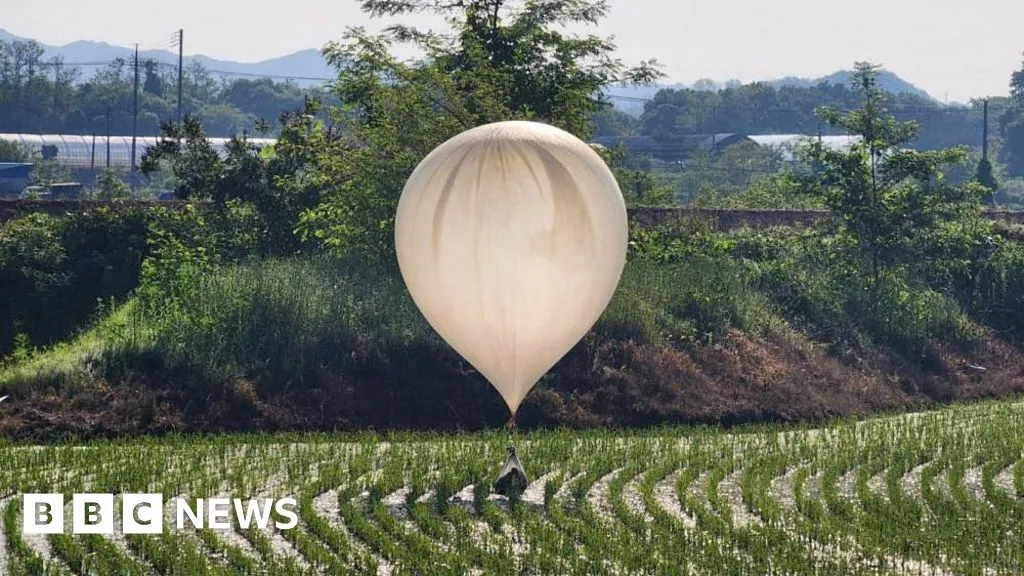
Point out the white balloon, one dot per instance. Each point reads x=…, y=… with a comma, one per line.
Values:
x=511, y=238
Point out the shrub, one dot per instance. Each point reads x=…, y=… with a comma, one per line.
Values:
x=994, y=291
x=53, y=270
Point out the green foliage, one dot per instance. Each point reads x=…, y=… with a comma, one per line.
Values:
x=181, y=253
x=992, y=289
x=759, y=108
x=694, y=301
x=1013, y=145
x=47, y=171
x=500, y=63
x=775, y=192
x=189, y=156
x=708, y=177
x=53, y=270
x=110, y=185
x=893, y=204
x=40, y=95
x=637, y=182
x=986, y=178
x=266, y=186
x=14, y=152
x=811, y=279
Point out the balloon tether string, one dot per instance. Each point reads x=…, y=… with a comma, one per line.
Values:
x=512, y=429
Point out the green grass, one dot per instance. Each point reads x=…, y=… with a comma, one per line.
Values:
x=325, y=342
x=620, y=510
x=72, y=363
x=282, y=319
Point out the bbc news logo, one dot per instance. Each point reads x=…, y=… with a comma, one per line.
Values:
x=144, y=513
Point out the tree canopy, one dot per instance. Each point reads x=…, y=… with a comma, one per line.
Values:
x=501, y=60
x=40, y=95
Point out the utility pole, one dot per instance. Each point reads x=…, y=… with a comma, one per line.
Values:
x=181, y=66
x=984, y=130
x=135, y=107
x=56, y=90
x=108, y=137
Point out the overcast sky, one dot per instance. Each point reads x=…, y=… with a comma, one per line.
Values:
x=955, y=50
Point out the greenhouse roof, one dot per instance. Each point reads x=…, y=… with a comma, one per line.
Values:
x=787, y=142
x=74, y=151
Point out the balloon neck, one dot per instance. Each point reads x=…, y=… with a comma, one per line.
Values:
x=511, y=424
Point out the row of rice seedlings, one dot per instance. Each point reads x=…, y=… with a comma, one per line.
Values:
x=21, y=559
x=894, y=447
x=891, y=524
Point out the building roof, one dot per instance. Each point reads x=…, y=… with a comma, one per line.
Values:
x=15, y=169
x=74, y=151
x=721, y=140
x=787, y=143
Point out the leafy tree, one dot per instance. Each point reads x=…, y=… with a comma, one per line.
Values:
x=722, y=174
x=1017, y=85
x=153, y=82
x=637, y=182
x=759, y=108
x=1012, y=124
x=1013, y=145
x=501, y=61
x=110, y=185
x=784, y=190
x=986, y=178
x=185, y=150
x=893, y=204
x=13, y=152
x=46, y=171
x=612, y=122
x=270, y=181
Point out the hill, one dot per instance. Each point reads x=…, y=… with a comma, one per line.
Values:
x=308, y=66
x=631, y=99
x=889, y=81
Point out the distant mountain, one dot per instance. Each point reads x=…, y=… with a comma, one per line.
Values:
x=310, y=64
x=887, y=80
x=631, y=98
x=306, y=64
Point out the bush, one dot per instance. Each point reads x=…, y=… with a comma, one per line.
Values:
x=279, y=319
x=53, y=270
x=994, y=291
x=819, y=288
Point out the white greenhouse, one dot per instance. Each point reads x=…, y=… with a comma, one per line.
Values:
x=786, y=144
x=85, y=152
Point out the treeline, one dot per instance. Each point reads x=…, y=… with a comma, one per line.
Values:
x=760, y=108
x=47, y=95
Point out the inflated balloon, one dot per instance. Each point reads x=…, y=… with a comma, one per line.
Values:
x=511, y=238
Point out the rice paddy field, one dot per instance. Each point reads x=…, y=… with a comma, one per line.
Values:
x=924, y=494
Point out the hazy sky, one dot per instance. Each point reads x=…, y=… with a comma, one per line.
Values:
x=951, y=49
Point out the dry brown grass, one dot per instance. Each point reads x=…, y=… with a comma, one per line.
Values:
x=779, y=377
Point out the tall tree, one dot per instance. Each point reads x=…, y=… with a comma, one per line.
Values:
x=892, y=201
x=1017, y=85
x=501, y=60
x=987, y=178
x=1013, y=127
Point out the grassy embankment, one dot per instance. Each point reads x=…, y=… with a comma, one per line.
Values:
x=707, y=327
